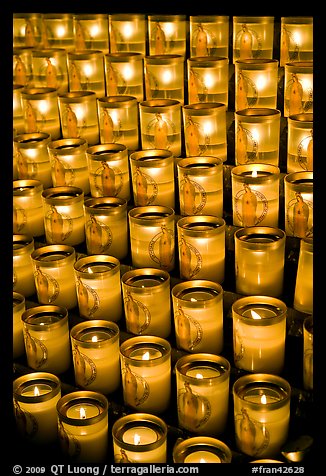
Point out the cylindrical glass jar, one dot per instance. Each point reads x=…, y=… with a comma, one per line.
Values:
x=152, y=174
x=128, y=32
x=252, y=37
x=64, y=219
x=18, y=344
x=23, y=274
x=146, y=373
x=91, y=32
x=300, y=153
x=298, y=201
x=41, y=111
x=50, y=69
x=200, y=184
x=124, y=74
x=298, y=88
x=255, y=194
x=296, y=39
x=160, y=125
x=201, y=449
x=259, y=333
x=164, y=77
x=308, y=353
x=17, y=109
x=59, y=30
x=256, y=83
x=261, y=414
x=27, y=29
x=257, y=136
x=95, y=353
x=167, y=34
x=22, y=66
x=46, y=335
x=146, y=297
x=32, y=157
x=54, y=276
x=118, y=118
x=95, y=275
x=204, y=126
x=69, y=165
x=86, y=71
x=108, y=166
x=152, y=237
x=259, y=260
x=208, y=79
x=28, y=216
x=202, y=382
x=198, y=316
x=78, y=116
x=106, y=226
x=209, y=35
x=201, y=244
x=303, y=292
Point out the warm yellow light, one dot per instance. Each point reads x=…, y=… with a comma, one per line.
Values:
x=145, y=356
x=255, y=315
x=82, y=413
x=36, y=391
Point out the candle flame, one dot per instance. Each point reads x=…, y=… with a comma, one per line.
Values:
x=136, y=439
x=94, y=339
x=193, y=299
x=254, y=173
x=145, y=356
x=199, y=376
x=36, y=392
x=263, y=399
x=90, y=270
x=202, y=460
x=82, y=413
x=255, y=315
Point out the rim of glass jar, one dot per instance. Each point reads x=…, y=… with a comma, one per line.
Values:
x=85, y=55
x=307, y=244
x=254, y=20
x=216, y=225
x=22, y=244
x=133, y=275
x=38, y=93
x=210, y=18
x=28, y=187
x=48, y=52
x=203, y=108
x=257, y=114
x=154, y=106
x=107, y=152
x=308, y=324
x=82, y=397
x=123, y=56
x=134, y=343
x=151, y=215
x=258, y=64
x=297, y=20
x=89, y=16
x=112, y=263
x=18, y=50
x=105, y=206
x=110, y=328
x=62, y=255
x=200, y=165
x=168, y=59
x=207, y=61
x=181, y=289
x=166, y=17
x=77, y=97
x=186, y=447
x=237, y=173
x=203, y=359
x=19, y=301
x=242, y=304
x=36, y=378
x=69, y=146
x=273, y=237
x=304, y=119
x=32, y=313
x=57, y=16
x=32, y=140
x=63, y=195
x=152, y=158
x=300, y=181
x=117, y=102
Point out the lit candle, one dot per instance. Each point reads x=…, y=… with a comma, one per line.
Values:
x=94, y=275
x=259, y=331
x=201, y=449
x=17, y=328
x=50, y=68
x=146, y=297
x=167, y=34
x=59, y=30
x=303, y=291
x=91, y=31
x=23, y=274
x=203, y=393
x=139, y=438
x=95, y=351
x=209, y=35
x=28, y=213
x=22, y=70
x=35, y=397
x=124, y=74
x=198, y=316
x=146, y=373
x=298, y=204
x=128, y=32
x=252, y=37
x=296, y=39
x=83, y=426
x=298, y=88
x=300, y=143
x=17, y=109
x=86, y=71
x=164, y=77
x=46, y=336
x=308, y=353
x=261, y=414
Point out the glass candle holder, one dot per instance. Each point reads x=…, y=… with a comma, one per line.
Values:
x=257, y=136
x=296, y=39
x=202, y=382
x=259, y=332
x=209, y=35
x=59, y=32
x=46, y=335
x=303, y=292
x=146, y=298
x=23, y=274
x=50, y=69
x=22, y=66
x=83, y=426
x=252, y=37
x=308, y=353
x=259, y=260
x=198, y=316
x=28, y=216
x=17, y=110
x=300, y=153
x=27, y=29
x=94, y=275
x=54, y=276
x=18, y=344
x=86, y=71
x=298, y=201
x=91, y=32
x=152, y=174
x=204, y=126
x=256, y=83
x=41, y=112
x=119, y=120
x=106, y=226
x=108, y=166
x=78, y=116
x=208, y=79
x=201, y=449
x=95, y=352
x=167, y=34
x=146, y=373
x=128, y=32
x=124, y=74
x=201, y=245
x=64, y=220
x=200, y=184
x=160, y=125
x=261, y=414
x=35, y=397
x=164, y=77
x=298, y=88
x=152, y=237
x=255, y=194
x=139, y=438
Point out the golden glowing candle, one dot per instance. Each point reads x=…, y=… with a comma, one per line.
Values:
x=167, y=34
x=86, y=71
x=298, y=204
x=22, y=66
x=296, y=39
x=300, y=145
x=303, y=292
x=27, y=29
x=164, y=77
x=58, y=30
x=209, y=35
x=50, y=69
x=19, y=307
x=28, y=213
x=17, y=109
x=128, y=32
x=201, y=449
x=91, y=32
x=23, y=276
x=124, y=74
x=252, y=37
x=298, y=88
